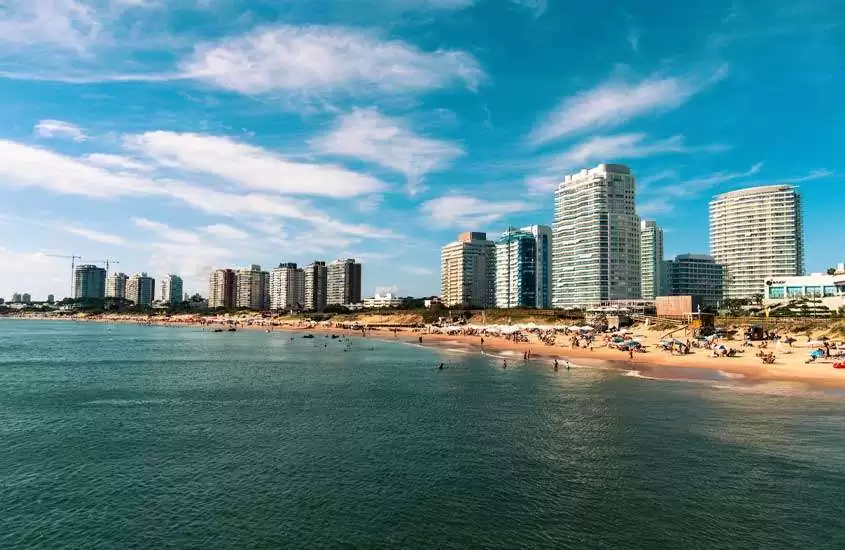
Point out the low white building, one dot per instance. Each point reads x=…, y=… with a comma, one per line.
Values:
x=829, y=290
x=383, y=301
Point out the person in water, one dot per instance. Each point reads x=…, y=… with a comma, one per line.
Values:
x=440, y=367
x=504, y=363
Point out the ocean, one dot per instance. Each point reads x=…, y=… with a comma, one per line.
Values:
x=124, y=436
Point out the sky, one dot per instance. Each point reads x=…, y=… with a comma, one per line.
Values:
x=186, y=135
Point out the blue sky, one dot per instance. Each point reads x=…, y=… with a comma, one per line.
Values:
x=183, y=135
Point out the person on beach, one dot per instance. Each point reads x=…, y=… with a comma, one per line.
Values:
x=420, y=339
x=631, y=354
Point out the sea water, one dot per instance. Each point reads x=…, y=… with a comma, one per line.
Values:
x=123, y=436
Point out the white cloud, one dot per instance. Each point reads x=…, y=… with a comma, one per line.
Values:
x=96, y=236
x=27, y=166
x=623, y=146
x=59, y=129
x=538, y=7
x=33, y=272
x=693, y=187
x=321, y=59
x=654, y=206
x=634, y=36
x=616, y=102
x=66, y=24
x=414, y=270
x=648, y=181
x=250, y=166
x=468, y=212
x=118, y=161
x=224, y=231
x=368, y=135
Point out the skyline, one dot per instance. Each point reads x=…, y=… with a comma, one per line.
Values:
x=136, y=130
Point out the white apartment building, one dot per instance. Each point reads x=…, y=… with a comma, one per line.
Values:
x=287, y=288
x=827, y=290
x=171, y=289
x=468, y=272
x=651, y=259
x=596, y=238
x=221, y=289
x=383, y=299
x=251, y=288
x=757, y=234
x=116, y=285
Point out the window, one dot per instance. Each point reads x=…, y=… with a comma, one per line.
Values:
x=793, y=291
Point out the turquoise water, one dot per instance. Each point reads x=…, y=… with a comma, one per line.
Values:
x=137, y=437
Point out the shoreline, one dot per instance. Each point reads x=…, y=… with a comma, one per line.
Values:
x=654, y=363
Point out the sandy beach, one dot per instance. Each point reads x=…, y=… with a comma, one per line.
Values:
x=789, y=365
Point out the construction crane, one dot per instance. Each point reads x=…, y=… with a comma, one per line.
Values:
x=73, y=259
x=107, y=261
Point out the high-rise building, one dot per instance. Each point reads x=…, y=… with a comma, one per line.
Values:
x=140, y=289
x=695, y=275
x=316, y=281
x=651, y=259
x=287, y=288
x=116, y=285
x=26, y=298
x=221, y=289
x=516, y=269
x=89, y=282
x=468, y=272
x=51, y=299
x=251, y=288
x=171, y=289
x=543, y=240
x=343, y=282
x=16, y=298
x=596, y=238
x=755, y=234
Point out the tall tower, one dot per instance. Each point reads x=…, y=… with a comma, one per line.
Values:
x=755, y=234
x=596, y=238
x=287, y=287
x=221, y=289
x=468, y=271
x=171, y=289
x=343, y=282
x=316, y=289
x=516, y=269
x=651, y=259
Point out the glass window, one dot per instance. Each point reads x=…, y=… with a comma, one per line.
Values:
x=814, y=291
x=776, y=292
x=830, y=291
x=792, y=291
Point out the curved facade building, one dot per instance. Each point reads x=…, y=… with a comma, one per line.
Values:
x=757, y=233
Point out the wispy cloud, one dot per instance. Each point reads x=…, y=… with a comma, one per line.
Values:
x=693, y=187
x=663, y=175
x=466, y=212
x=27, y=166
x=321, y=59
x=616, y=102
x=95, y=236
x=654, y=206
x=416, y=270
x=66, y=24
x=59, y=129
x=634, y=36
x=118, y=161
x=623, y=146
x=537, y=7
x=226, y=232
x=250, y=166
x=368, y=135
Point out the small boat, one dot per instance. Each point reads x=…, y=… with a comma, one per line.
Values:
x=217, y=330
x=232, y=329
x=308, y=336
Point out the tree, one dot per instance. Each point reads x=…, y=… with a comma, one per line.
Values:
x=831, y=271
